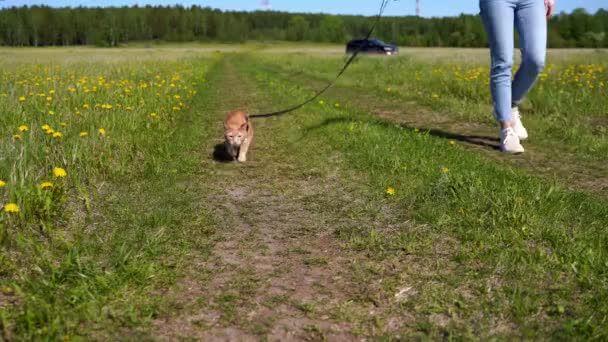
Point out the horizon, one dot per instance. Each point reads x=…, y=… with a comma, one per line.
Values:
x=440, y=8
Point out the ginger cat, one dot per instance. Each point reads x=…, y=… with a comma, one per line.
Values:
x=238, y=132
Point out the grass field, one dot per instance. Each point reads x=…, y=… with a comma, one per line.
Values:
x=382, y=211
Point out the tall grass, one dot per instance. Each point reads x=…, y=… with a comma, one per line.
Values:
x=82, y=147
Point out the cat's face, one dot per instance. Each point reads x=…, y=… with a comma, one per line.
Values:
x=235, y=137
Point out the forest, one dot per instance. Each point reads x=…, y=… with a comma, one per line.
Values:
x=113, y=26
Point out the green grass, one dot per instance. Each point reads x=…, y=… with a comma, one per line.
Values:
x=568, y=103
x=91, y=251
x=543, y=246
x=465, y=248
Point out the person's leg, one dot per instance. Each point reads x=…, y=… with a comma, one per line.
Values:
x=531, y=23
x=498, y=19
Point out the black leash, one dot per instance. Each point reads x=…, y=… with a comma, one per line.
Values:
x=350, y=60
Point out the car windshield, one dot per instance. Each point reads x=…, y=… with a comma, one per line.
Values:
x=376, y=41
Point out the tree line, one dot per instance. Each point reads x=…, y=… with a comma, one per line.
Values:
x=112, y=26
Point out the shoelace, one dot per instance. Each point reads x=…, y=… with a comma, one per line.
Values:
x=510, y=134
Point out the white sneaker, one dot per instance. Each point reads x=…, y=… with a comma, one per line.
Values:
x=518, y=126
x=509, y=141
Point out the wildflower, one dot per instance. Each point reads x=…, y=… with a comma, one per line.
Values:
x=64, y=124
x=2, y=183
x=129, y=108
x=452, y=142
x=102, y=132
x=50, y=131
x=46, y=185
x=321, y=102
x=59, y=172
x=21, y=98
x=57, y=135
x=390, y=191
x=85, y=106
x=389, y=89
x=435, y=96
x=83, y=134
x=11, y=208
x=52, y=92
x=337, y=105
x=45, y=127
x=445, y=169
x=51, y=112
x=23, y=128
x=16, y=137
x=49, y=99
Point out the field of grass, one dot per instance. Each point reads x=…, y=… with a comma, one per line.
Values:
x=382, y=211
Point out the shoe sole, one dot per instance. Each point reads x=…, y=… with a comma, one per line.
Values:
x=512, y=152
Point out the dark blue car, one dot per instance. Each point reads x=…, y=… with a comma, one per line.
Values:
x=371, y=46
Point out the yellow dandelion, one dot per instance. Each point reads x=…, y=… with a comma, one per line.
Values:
x=452, y=142
x=59, y=172
x=51, y=112
x=64, y=124
x=2, y=183
x=21, y=98
x=337, y=105
x=435, y=96
x=46, y=185
x=17, y=137
x=85, y=106
x=23, y=128
x=49, y=99
x=445, y=169
x=45, y=127
x=102, y=132
x=83, y=134
x=390, y=191
x=11, y=208
x=52, y=92
x=50, y=131
x=57, y=135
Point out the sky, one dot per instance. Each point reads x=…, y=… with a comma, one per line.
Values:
x=429, y=8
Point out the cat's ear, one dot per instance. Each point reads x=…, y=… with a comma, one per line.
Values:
x=245, y=126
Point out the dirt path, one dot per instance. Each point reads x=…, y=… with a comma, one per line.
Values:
x=277, y=272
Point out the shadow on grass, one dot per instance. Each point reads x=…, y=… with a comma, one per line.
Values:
x=220, y=154
x=476, y=140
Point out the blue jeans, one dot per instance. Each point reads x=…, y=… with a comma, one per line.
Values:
x=499, y=18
